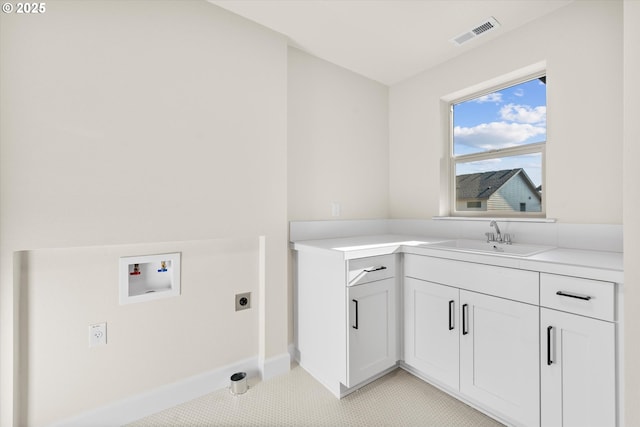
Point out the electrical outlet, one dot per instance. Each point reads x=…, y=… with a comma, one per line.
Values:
x=335, y=209
x=97, y=334
x=243, y=301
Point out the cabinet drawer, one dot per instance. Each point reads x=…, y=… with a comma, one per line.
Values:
x=370, y=269
x=510, y=283
x=587, y=297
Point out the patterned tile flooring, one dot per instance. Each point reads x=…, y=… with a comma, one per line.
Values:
x=296, y=399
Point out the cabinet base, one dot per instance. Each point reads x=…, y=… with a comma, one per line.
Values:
x=454, y=394
x=344, y=391
x=338, y=389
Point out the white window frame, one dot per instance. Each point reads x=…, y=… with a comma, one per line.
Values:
x=535, y=148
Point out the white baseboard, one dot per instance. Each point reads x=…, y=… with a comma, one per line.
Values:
x=274, y=366
x=145, y=404
x=294, y=353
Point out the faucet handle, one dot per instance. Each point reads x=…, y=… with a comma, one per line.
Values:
x=507, y=238
x=490, y=237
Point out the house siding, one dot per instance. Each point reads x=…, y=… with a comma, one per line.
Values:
x=512, y=194
x=461, y=205
x=507, y=198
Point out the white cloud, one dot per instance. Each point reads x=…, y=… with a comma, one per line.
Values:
x=519, y=92
x=523, y=113
x=495, y=135
x=479, y=166
x=491, y=97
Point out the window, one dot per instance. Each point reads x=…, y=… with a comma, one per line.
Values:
x=498, y=149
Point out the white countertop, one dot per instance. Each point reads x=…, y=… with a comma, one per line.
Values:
x=363, y=246
x=598, y=265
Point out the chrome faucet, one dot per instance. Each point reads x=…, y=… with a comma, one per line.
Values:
x=493, y=223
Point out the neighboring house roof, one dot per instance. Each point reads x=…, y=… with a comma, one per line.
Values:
x=483, y=184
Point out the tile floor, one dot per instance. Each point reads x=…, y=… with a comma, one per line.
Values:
x=296, y=399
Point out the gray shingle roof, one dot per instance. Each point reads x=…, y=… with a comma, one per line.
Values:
x=483, y=184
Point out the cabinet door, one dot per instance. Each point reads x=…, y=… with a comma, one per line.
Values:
x=499, y=356
x=431, y=330
x=371, y=346
x=577, y=370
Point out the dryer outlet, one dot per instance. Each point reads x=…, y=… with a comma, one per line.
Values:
x=243, y=301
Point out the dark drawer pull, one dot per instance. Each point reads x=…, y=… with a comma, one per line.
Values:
x=465, y=329
x=451, y=314
x=371, y=270
x=549, y=361
x=582, y=297
x=356, y=325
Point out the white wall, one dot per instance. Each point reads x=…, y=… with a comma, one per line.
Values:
x=107, y=107
x=338, y=145
x=631, y=207
x=337, y=141
x=584, y=146
x=149, y=344
x=126, y=122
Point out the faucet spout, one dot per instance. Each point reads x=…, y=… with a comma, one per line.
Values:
x=494, y=224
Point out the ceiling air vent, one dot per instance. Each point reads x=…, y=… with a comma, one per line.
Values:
x=482, y=28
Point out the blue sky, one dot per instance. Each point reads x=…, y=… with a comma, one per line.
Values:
x=510, y=117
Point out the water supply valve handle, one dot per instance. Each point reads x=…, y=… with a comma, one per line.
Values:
x=136, y=270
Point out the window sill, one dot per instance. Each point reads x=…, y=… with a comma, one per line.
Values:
x=508, y=219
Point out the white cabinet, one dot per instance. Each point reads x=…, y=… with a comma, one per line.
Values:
x=371, y=343
x=499, y=356
x=333, y=296
x=528, y=348
x=481, y=347
x=431, y=326
x=577, y=354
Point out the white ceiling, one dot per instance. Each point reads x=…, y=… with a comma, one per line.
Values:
x=387, y=40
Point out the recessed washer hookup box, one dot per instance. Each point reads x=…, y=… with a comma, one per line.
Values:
x=149, y=277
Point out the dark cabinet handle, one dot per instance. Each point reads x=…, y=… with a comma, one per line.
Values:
x=356, y=325
x=465, y=308
x=549, y=361
x=371, y=270
x=451, y=315
x=582, y=297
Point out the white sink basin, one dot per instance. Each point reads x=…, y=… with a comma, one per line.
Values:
x=481, y=246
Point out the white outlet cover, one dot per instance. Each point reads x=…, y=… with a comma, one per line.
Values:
x=335, y=209
x=97, y=334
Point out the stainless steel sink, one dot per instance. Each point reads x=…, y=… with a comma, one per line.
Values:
x=481, y=246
